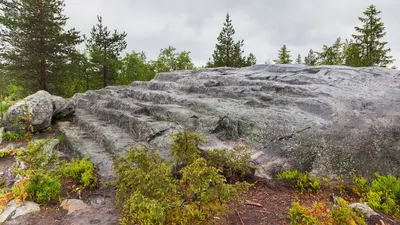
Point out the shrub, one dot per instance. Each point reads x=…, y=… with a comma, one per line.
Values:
x=80, y=170
x=232, y=163
x=322, y=213
x=38, y=186
x=150, y=194
x=302, y=181
x=37, y=156
x=185, y=147
x=388, y=186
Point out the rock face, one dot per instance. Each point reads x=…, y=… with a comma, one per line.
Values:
x=13, y=210
x=327, y=120
x=43, y=106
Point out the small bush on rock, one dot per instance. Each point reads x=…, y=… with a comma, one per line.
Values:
x=185, y=147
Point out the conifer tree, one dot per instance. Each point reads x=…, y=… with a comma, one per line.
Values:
x=368, y=40
x=34, y=42
x=228, y=52
x=283, y=56
x=104, y=48
x=332, y=55
x=299, y=60
x=311, y=58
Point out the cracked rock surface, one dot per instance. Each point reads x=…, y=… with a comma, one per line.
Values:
x=329, y=120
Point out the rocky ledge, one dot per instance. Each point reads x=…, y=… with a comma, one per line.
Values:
x=329, y=120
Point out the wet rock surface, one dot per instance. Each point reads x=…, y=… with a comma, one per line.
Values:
x=327, y=120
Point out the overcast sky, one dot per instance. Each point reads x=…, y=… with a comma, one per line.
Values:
x=265, y=25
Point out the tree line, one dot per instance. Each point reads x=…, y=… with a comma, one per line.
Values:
x=365, y=48
x=37, y=52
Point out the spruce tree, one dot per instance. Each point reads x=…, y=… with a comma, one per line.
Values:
x=299, y=60
x=311, y=58
x=373, y=51
x=332, y=55
x=34, y=42
x=228, y=52
x=283, y=56
x=104, y=48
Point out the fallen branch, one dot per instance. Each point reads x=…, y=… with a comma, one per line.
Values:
x=237, y=213
x=248, y=202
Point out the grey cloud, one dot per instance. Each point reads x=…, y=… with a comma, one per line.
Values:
x=265, y=25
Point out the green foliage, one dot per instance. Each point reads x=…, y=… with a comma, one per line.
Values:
x=185, y=147
x=80, y=170
x=135, y=68
x=323, y=214
x=168, y=60
x=38, y=186
x=38, y=156
x=150, y=194
x=34, y=43
x=311, y=59
x=104, y=49
x=283, y=56
x=371, y=49
x=227, y=51
x=332, y=55
x=232, y=163
x=389, y=186
x=302, y=181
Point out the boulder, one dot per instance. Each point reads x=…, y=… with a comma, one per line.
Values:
x=62, y=107
x=38, y=105
x=13, y=210
x=42, y=106
x=329, y=120
x=72, y=205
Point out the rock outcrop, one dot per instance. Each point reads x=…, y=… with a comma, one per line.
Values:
x=40, y=108
x=327, y=120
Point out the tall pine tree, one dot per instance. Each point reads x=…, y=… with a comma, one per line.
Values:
x=228, y=52
x=34, y=43
x=104, y=48
x=368, y=40
x=283, y=56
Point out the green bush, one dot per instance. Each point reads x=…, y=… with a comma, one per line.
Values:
x=232, y=163
x=302, y=181
x=389, y=186
x=150, y=194
x=185, y=147
x=80, y=170
x=38, y=186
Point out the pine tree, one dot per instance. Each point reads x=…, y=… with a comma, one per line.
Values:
x=311, y=58
x=373, y=51
x=352, y=54
x=332, y=55
x=299, y=60
x=228, y=52
x=104, y=48
x=33, y=41
x=283, y=56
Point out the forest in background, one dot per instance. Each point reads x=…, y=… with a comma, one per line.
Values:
x=37, y=52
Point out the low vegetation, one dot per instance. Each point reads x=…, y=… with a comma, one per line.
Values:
x=150, y=193
x=41, y=179
x=302, y=181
